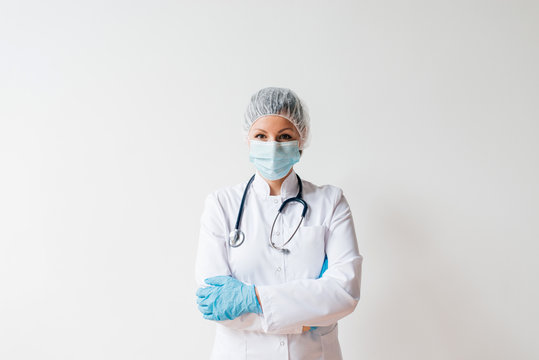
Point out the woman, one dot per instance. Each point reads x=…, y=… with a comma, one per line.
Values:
x=262, y=277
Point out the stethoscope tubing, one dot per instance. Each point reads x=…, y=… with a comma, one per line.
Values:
x=242, y=205
x=237, y=237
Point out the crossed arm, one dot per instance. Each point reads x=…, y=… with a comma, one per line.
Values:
x=227, y=298
x=292, y=307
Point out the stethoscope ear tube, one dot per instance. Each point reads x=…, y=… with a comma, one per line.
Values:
x=281, y=248
x=297, y=199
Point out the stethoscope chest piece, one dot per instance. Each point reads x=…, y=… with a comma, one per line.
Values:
x=236, y=238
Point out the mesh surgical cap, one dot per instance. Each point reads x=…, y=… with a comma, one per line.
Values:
x=282, y=102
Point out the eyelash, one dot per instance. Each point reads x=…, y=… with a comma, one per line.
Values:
x=283, y=136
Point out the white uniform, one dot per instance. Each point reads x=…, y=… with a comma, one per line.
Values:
x=290, y=292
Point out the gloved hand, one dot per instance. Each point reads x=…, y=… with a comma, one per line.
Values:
x=324, y=268
x=226, y=298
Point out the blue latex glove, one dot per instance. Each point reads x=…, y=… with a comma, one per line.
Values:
x=226, y=298
x=324, y=268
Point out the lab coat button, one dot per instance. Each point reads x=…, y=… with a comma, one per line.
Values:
x=275, y=201
x=277, y=233
x=282, y=343
x=278, y=268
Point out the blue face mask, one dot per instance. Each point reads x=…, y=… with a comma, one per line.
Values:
x=273, y=159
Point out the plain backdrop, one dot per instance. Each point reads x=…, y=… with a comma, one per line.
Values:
x=118, y=117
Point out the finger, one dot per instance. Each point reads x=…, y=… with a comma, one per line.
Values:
x=217, y=280
x=204, y=309
x=205, y=291
x=211, y=317
x=204, y=301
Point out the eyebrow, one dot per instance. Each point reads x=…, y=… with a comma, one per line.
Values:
x=280, y=131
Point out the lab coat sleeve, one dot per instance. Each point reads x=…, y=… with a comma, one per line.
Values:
x=323, y=301
x=212, y=260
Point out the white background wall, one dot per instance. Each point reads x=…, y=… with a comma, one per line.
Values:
x=118, y=117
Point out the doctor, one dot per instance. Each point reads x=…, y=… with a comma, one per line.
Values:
x=261, y=271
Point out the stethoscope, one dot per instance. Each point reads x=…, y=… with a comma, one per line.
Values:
x=237, y=237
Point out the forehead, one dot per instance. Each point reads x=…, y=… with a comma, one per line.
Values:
x=272, y=123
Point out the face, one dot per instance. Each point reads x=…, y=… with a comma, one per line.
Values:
x=274, y=128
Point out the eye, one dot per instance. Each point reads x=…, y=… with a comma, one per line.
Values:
x=260, y=136
x=285, y=137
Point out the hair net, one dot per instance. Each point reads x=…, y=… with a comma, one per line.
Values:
x=279, y=101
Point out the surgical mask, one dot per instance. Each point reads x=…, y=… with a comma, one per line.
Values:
x=273, y=159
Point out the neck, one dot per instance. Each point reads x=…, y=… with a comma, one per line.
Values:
x=275, y=185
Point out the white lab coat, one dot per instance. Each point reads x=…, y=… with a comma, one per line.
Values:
x=290, y=292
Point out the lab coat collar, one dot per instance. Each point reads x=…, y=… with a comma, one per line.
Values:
x=289, y=187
